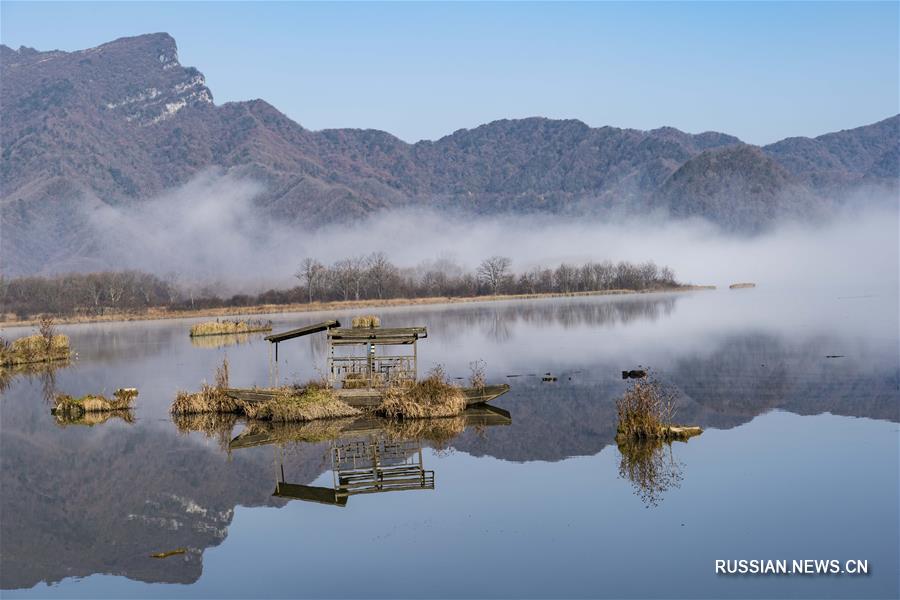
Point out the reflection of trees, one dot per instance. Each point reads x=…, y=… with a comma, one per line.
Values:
x=45, y=372
x=651, y=468
x=498, y=318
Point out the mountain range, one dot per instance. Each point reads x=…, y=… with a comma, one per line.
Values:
x=124, y=122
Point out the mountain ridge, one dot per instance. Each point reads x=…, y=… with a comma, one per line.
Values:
x=123, y=122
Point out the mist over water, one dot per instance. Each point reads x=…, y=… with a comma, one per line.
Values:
x=211, y=230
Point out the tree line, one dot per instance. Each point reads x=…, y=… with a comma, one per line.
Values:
x=368, y=277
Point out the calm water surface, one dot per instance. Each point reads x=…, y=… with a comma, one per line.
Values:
x=799, y=460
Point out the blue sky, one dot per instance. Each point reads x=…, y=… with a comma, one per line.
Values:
x=761, y=71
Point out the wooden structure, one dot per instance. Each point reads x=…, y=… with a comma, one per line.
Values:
x=363, y=361
x=354, y=360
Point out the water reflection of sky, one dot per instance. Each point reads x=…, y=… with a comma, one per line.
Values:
x=540, y=502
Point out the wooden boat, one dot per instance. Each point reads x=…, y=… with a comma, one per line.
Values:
x=370, y=398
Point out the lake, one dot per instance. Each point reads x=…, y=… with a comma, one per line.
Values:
x=798, y=460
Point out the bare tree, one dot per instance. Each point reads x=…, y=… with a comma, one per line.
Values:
x=379, y=272
x=311, y=272
x=493, y=271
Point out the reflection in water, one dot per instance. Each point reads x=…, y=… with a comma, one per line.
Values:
x=368, y=465
x=79, y=500
x=65, y=419
x=221, y=341
x=651, y=468
x=368, y=454
x=44, y=372
x=497, y=319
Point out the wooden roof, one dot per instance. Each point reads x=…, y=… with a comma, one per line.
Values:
x=293, y=333
x=376, y=335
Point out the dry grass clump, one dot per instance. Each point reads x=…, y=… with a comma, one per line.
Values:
x=34, y=349
x=741, y=286
x=210, y=398
x=293, y=405
x=477, y=378
x=77, y=407
x=431, y=397
x=366, y=322
x=226, y=326
x=646, y=410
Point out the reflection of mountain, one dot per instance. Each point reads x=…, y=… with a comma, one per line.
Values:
x=79, y=500
x=731, y=384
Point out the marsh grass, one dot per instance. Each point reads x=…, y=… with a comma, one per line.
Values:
x=73, y=408
x=366, y=322
x=312, y=401
x=210, y=398
x=646, y=411
x=477, y=377
x=230, y=326
x=431, y=397
x=33, y=349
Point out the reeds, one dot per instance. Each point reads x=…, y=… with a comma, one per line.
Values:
x=287, y=404
x=366, y=322
x=431, y=397
x=34, y=349
x=646, y=410
x=77, y=407
x=230, y=326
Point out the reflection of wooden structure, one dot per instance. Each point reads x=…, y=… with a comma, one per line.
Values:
x=364, y=466
x=363, y=361
x=369, y=455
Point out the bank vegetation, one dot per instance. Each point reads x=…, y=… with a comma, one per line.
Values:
x=371, y=278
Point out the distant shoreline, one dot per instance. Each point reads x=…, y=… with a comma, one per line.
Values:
x=158, y=314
